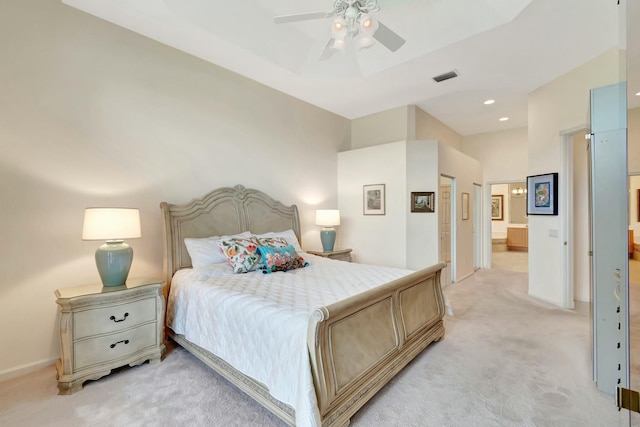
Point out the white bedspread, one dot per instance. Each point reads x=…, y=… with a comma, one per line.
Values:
x=258, y=322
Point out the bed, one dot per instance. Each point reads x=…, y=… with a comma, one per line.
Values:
x=346, y=344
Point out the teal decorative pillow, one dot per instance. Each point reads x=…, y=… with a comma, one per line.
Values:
x=280, y=259
x=241, y=252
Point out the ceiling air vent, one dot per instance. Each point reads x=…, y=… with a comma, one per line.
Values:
x=445, y=76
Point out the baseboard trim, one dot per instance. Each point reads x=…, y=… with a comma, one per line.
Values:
x=26, y=369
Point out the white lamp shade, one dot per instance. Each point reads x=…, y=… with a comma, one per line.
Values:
x=338, y=28
x=328, y=217
x=368, y=25
x=111, y=224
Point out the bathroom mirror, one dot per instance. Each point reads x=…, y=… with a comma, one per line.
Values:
x=518, y=203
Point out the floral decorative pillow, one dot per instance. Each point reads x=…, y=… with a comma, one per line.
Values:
x=280, y=259
x=242, y=253
x=273, y=242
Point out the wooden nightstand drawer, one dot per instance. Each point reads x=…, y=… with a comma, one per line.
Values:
x=114, y=318
x=112, y=347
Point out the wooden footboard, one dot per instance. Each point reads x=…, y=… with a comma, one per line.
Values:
x=357, y=345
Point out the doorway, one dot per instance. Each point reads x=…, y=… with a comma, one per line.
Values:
x=509, y=227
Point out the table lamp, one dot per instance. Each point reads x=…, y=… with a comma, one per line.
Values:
x=327, y=218
x=113, y=225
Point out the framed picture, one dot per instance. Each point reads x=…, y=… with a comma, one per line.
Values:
x=638, y=200
x=497, y=210
x=373, y=199
x=423, y=201
x=542, y=194
x=465, y=206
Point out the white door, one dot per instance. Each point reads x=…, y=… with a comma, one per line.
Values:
x=477, y=226
x=446, y=235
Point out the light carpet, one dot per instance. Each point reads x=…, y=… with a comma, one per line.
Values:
x=506, y=360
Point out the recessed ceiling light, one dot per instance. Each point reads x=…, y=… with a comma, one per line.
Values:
x=503, y=119
x=638, y=94
x=489, y=101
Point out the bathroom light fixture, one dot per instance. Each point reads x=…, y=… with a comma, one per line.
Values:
x=519, y=190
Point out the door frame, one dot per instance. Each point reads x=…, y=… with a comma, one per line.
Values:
x=488, y=261
x=566, y=206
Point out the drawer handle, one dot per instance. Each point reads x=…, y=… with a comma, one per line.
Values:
x=121, y=320
x=116, y=343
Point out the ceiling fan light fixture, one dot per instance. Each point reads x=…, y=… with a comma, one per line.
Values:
x=338, y=28
x=365, y=42
x=368, y=25
x=339, y=44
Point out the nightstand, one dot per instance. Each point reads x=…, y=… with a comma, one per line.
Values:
x=340, y=255
x=103, y=328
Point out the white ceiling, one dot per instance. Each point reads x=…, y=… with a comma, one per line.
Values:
x=501, y=49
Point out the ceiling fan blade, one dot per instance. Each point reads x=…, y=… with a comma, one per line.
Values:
x=327, y=53
x=283, y=19
x=388, y=37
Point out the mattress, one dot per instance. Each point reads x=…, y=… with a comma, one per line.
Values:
x=258, y=322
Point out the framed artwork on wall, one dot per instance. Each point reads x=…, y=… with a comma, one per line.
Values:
x=465, y=206
x=638, y=200
x=496, y=207
x=373, y=199
x=542, y=194
x=423, y=201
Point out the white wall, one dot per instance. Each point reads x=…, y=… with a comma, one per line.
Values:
x=466, y=172
x=423, y=244
x=504, y=158
x=402, y=238
x=580, y=221
x=634, y=169
x=95, y=115
x=375, y=239
x=634, y=224
x=499, y=227
x=561, y=105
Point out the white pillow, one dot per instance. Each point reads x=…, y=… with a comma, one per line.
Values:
x=288, y=235
x=205, y=251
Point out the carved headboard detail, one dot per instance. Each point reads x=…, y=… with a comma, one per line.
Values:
x=224, y=211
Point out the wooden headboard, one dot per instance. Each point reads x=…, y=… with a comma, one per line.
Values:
x=223, y=211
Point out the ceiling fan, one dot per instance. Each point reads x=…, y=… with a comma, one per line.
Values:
x=353, y=20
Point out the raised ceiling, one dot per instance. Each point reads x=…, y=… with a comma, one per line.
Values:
x=501, y=49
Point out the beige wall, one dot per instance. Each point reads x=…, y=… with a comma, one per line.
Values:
x=428, y=127
x=558, y=106
x=94, y=115
x=503, y=154
x=634, y=140
x=401, y=124
x=381, y=128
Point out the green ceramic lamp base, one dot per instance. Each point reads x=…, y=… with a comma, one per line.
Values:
x=113, y=260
